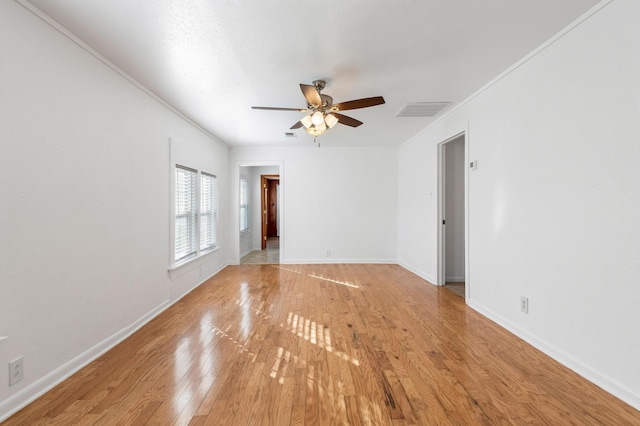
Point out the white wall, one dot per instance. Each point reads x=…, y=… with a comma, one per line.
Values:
x=84, y=202
x=554, y=203
x=337, y=200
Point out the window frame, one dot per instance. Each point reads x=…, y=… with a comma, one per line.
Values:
x=188, y=214
x=213, y=212
x=197, y=251
x=244, y=206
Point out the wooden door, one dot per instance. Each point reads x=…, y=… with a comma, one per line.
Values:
x=269, y=206
x=272, y=208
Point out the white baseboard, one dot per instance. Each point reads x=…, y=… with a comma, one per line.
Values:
x=599, y=379
x=220, y=268
x=38, y=388
x=18, y=401
x=425, y=276
x=454, y=279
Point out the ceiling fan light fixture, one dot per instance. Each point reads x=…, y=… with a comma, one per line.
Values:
x=321, y=113
x=317, y=118
x=330, y=120
x=306, y=121
x=313, y=131
x=316, y=130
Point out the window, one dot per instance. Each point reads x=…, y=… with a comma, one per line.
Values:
x=196, y=213
x=244, y=205
x=208, y=211
x=186, y=213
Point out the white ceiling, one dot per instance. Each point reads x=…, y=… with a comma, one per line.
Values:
x=213, y=59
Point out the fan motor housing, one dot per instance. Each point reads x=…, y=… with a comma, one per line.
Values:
x=326, y=100
x=319, y=84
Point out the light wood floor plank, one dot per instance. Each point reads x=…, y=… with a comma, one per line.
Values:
x=323, y=344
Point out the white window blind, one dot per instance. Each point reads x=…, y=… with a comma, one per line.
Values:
x=196, y=213
x=208, y=211
x=186, y=214
x=244, y=205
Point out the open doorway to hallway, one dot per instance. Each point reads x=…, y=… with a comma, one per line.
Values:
x=260, y=241
x=267, y=256
x=270, y=207
x=452, y=242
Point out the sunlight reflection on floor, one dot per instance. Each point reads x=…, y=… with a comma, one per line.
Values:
x=284, y=363
x=318, y=277
x=317, y=334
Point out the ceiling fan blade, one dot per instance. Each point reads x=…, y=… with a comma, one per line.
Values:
x=311, y=95
x=296, y=126
x=343, y=119
x=280, y=109
x=360, y=103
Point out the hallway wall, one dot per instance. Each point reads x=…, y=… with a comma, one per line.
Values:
x=554, y=203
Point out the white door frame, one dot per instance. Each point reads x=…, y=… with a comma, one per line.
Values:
x=235, y=199
x=441, y=277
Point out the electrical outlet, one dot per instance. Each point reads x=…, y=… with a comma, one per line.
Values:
x=16, y=371
x=328, y=253
x=524, y=304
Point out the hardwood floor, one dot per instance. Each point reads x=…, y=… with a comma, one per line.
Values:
x=324, y=344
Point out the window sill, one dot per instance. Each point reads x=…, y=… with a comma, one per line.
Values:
x=191, y=263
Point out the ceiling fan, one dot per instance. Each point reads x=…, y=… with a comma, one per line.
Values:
x=322, y=113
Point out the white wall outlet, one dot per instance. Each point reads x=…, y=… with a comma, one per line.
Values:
x=16, y=371
x=328, y=253
x=473, y=165
x=524, y=304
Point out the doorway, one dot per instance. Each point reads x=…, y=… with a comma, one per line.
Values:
x=263, y=185
x=452, y=215
x=269, y=206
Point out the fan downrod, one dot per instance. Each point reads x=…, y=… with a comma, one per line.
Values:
x=319, y=84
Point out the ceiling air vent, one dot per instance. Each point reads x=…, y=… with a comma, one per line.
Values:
x=290, y=134
x=422, y=109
